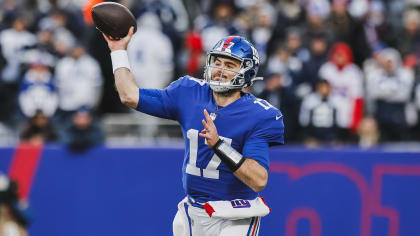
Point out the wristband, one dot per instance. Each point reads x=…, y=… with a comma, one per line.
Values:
x=228, y=155
x=119, y=59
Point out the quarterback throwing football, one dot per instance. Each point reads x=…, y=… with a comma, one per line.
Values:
x=227, y=134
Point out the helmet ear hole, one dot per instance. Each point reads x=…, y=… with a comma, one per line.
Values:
x=252, y=73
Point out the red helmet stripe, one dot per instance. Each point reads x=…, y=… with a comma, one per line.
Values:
x=227, y=42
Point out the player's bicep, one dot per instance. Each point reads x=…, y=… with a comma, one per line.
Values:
x=257, y=150
x=161, y=102
x=152, y=102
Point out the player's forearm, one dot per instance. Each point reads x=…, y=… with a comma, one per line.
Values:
x=127, y=87
x=249, y=171
x=252, y=174
x=124, y=80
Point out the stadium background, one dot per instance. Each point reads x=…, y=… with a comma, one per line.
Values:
x=343, y=72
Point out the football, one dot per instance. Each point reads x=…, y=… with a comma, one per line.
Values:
x=113, y=19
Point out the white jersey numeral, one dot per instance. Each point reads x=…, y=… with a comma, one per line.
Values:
x=210, y=171
x=263, y=103
x=192, y=168
x=201, y=82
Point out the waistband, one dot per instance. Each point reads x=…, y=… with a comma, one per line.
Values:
x=195, y=203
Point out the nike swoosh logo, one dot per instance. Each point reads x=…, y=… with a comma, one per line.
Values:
x=278, y=117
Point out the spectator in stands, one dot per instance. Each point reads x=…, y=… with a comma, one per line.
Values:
x=156, y=58
x=172, y=17
x=366, y=26
x=416, y=131
x=220, y=24
x=346, y=80
x=289, y=13
x=391, y=91
x=347, y=29
x=13, y=42
x=368, y=133
x=38, y=130
x=79, y=82
x=315, y=26
x=37, y=91
x=193, y=57
x=56, y=22
x=290, y=67
x=292, y=10
x=318, y=57
x=321, y=114
x=378, y=29
x=294, y=44
x=372, y=68
x=409, y=38
x=13, y=216
x=284, y=61
x=274, y=90
x=262, y=31
x=358, y=9
x=83, y=132
x=46, y=42
x=5, y=104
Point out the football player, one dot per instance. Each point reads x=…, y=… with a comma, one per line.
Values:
x=227, y=134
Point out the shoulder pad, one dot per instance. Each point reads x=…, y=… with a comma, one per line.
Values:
x=187, y=81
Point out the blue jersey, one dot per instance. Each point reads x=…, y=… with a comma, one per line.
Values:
x=248, y=124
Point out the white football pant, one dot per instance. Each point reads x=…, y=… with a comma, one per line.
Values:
x=194, y=221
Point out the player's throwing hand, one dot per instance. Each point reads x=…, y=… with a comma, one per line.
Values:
x=119, y=44
x=210, y=131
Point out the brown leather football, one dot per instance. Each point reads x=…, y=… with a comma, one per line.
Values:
x=113, y=19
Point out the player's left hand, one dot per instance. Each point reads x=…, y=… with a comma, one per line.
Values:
x=210, y=131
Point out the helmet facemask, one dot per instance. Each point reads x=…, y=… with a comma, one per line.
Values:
x=216, y=74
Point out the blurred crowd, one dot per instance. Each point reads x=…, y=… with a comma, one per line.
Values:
x=14, y=212
x=341, y=71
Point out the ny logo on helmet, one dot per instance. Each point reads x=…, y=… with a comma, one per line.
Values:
x=226, y=47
